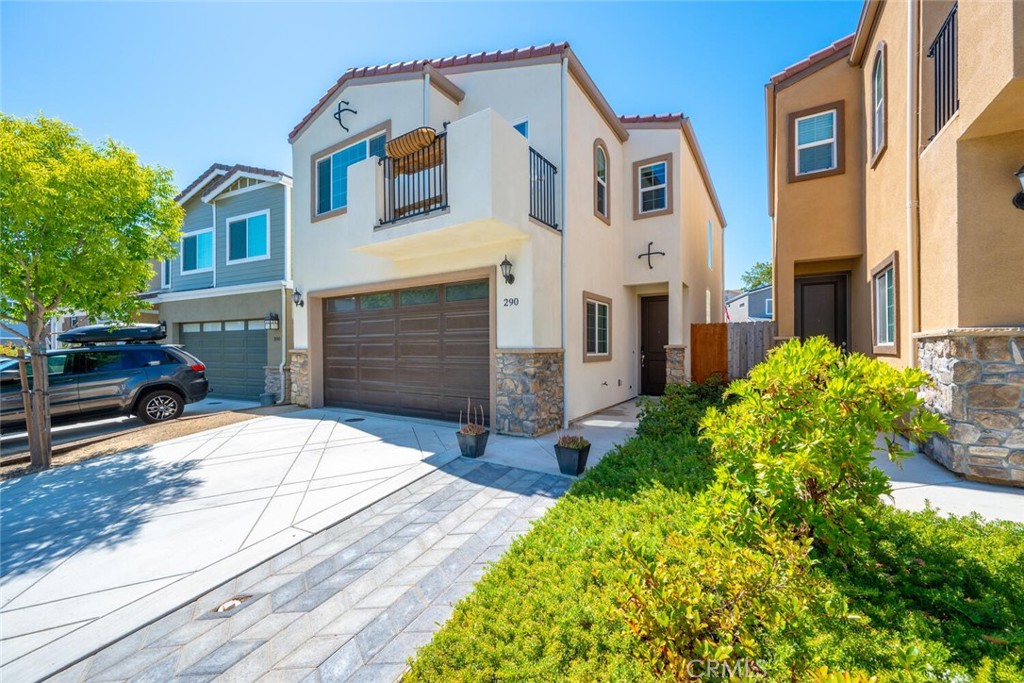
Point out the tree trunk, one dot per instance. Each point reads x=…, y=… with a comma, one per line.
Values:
x=38, y=420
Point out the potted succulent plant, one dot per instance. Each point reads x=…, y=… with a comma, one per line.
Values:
x=572, y=451
x=473, y=435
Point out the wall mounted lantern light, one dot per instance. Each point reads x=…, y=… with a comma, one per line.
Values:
x=1018, y=199
x=297, y=298
x=271, y=322
x=506, y=271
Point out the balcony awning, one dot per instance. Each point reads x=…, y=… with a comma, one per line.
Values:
x=415, y=151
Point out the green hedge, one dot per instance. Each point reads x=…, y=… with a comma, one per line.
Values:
x=660, y=555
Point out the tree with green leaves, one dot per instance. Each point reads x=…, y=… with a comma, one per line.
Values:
x=79, y=226
x=758, y=275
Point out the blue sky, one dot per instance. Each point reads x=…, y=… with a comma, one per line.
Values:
x=187, y=84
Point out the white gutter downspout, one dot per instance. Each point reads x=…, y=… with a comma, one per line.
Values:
x=426, y=97
x=913, y=206
x=284, y=287
x=213, y=205
x=565, y=283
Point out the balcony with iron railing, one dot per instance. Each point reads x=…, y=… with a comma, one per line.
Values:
x=476, y=183
x=943, y=53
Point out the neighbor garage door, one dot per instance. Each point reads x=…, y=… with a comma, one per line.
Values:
x=234, y=352
x=419, y=351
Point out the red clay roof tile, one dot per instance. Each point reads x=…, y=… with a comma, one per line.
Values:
x=793, y=70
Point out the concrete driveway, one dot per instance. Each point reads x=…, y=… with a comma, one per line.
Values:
x=93, y=551
x=17, y=442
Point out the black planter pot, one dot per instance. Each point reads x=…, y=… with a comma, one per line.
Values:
x=572, y=460
x=472, y=445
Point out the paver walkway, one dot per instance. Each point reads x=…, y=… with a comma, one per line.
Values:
x=350, y=604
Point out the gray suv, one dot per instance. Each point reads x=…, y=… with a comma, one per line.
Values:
x=153, y=381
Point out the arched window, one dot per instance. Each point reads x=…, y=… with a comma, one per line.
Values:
x=878, y=104
x=601, y=178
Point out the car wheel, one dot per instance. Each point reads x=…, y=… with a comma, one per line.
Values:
x=160, y=406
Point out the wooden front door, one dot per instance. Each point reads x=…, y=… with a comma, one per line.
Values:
x=822, y=308
x=653, y=339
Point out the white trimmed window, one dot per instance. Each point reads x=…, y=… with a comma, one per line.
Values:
x=332, y=172
x=768, y=307
x=165, y=274
x=601, y=181
x=885, y=307
x=598, y=327
x=249, y=237
x=816, y=143
x=197, y=251
x=711, y=247
x=652, y=181
x=878, y=102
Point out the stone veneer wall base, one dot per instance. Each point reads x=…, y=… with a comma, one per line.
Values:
x=529, y=391
x=979, y=389
x=675, y=364
x=299, y=371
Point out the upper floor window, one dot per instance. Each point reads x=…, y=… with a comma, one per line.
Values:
x=601, y=182
x=878, y=104
x=653, y=187
x=332, y=172
x=711, y=246
x=523, y=127
x=249, y=237
x=197, y=251
x=817, y=142
x=165, y=274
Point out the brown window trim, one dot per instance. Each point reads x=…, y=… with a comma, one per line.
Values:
x=592, y=357
x=669, y=188
x=840, y=132
x=314, y=217
x=607, y=215
x=894, y=348
x=880, y=54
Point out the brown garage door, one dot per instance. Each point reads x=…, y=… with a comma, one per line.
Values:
x=418, y=351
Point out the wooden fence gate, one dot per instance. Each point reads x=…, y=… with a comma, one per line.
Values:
x=710, y=344
x=729, y=349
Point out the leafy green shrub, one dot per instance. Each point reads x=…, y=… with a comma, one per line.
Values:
x=679, y=411
x=799, y=439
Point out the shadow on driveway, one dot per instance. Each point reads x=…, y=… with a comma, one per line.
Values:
x=49, y=516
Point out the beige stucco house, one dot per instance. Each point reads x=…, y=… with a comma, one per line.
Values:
x=893, y=157
x=486, y=227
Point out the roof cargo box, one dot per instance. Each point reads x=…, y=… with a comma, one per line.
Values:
x=98, y=334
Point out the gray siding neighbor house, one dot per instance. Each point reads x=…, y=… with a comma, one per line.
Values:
x=753, y=305
x=227, y=295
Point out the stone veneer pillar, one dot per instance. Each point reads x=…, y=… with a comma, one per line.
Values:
x=675, y=364
x=979, y=389
x=529, y=391
x=299, y=361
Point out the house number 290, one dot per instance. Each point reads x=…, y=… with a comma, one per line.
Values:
x=512, y=302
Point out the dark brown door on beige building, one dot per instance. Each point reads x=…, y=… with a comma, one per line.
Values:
x=419, y=351
x=821, y=308
x=653, y=339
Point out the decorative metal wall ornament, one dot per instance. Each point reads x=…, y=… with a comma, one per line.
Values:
x=650, y=253
x=337, y=114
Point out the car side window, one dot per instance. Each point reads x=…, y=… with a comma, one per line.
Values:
x=152, y=357
x=57, y=364
x=99, y=361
